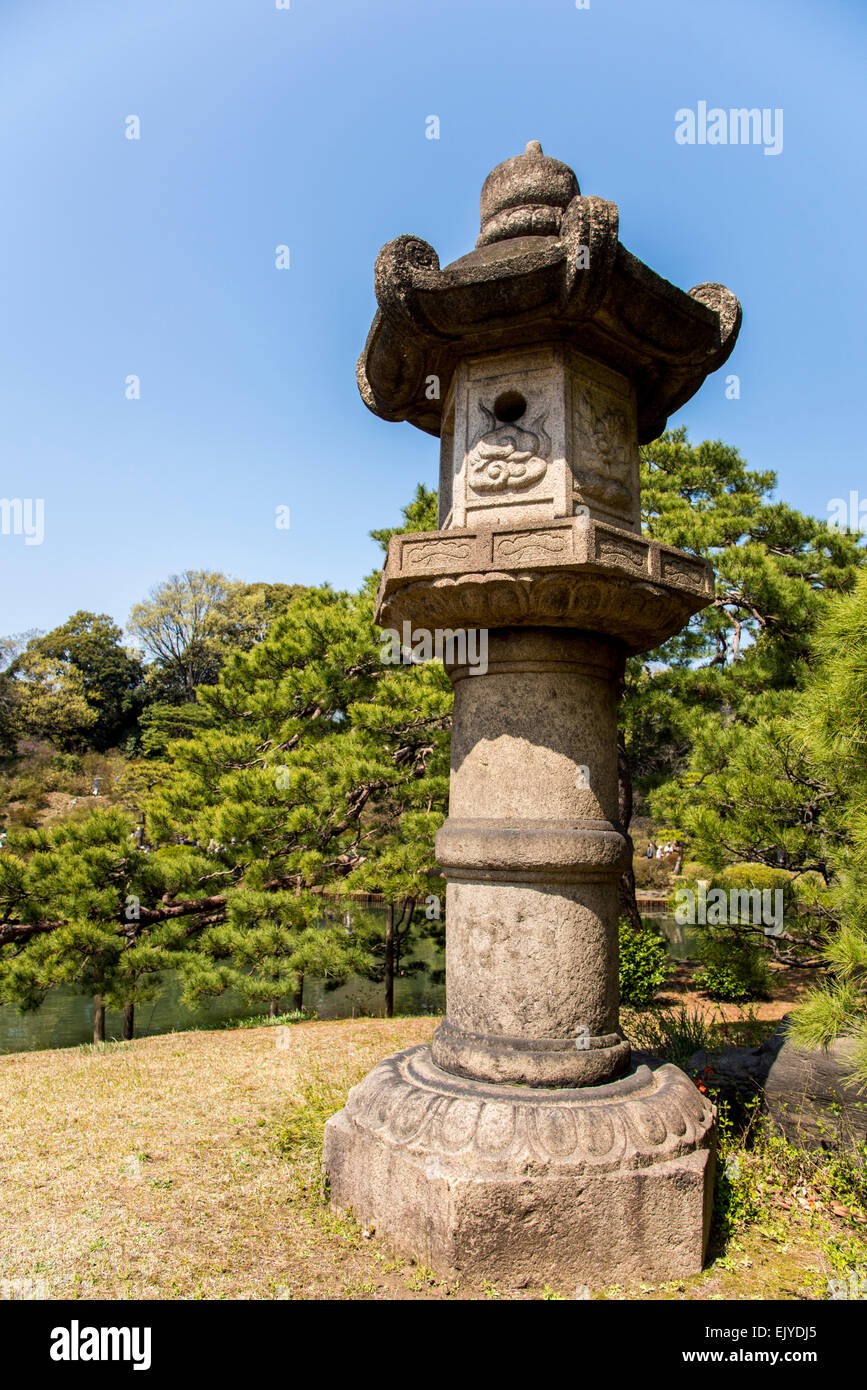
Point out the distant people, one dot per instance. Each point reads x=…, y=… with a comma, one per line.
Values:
x=649, y=850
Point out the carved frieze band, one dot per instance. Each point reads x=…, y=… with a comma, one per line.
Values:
x=577, y=541
x=570, y=573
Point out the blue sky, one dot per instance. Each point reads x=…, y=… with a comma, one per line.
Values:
x=306, y=127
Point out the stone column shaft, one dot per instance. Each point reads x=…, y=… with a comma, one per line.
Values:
x=532, y=854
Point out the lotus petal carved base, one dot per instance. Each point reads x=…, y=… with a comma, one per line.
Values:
x=528, y=1186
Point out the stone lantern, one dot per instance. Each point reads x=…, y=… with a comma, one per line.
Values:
x=525, y=1144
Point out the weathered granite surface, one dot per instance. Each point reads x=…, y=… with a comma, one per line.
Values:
x=584, y=1186
x=532, y=854
x=572, y=573
x=525, y=1144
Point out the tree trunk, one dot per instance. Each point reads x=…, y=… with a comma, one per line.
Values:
x=98, y=1019
x=401, y=932
x=628, y=903
x=389, y=961
x=128, y=1022
x=272, y=1008
x=299, y=993
x=626, y=887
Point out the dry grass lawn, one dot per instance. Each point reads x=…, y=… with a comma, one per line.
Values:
x=149, y=1170
x=185, y=1166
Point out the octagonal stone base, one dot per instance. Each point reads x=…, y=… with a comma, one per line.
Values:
x=527, y=1186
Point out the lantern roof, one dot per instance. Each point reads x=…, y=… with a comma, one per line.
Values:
x=548, y=266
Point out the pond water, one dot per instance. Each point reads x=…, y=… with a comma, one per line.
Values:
x=682, y=941
x=65, y=1019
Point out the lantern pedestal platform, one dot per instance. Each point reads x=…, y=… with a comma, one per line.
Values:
x=528, y=1186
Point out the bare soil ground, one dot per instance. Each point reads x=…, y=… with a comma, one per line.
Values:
x=788, y=989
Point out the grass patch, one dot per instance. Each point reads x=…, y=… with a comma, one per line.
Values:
x=278, y=1021
x=672, y=1034
x=675, y=1034
x=188, y=1166
x=300, y=1134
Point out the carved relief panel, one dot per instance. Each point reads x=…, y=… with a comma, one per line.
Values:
x=603, y=446
x=507, y=435
x=537, y=434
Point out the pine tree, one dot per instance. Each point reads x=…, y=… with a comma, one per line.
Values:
x=788, y=788
x=312, y=782
x=775, y=570
x=82, y=904
x=316, y=768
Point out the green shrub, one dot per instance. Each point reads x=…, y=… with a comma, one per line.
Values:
x=759, y=876
x=721, y=983
x=734, y=967
x=25, y=816
x=643, y=963
x=691, y=869
x=66, y=763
